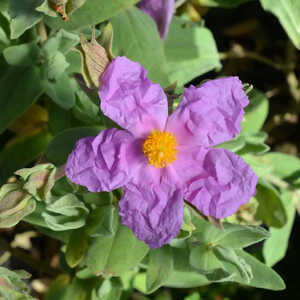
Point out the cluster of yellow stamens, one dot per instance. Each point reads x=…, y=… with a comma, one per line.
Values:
x=160, y=148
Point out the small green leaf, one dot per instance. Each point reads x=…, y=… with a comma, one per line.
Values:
x=136, y=36
x=86, y=110
x=276, y=246
x=110, y=289
x=234, y=264
x=66, y=213
x=270, y=209
x=76, y=247
x=190, y=51
x=115, y=254
x=288, y=13
x=263, y=276
x=22, y=87
x=23, y=16
x=255, y=113
x=24, y=55
x=14, y=157
x=63, y=144
x=61, y=91
x=222, y=3
x=159, y=268
x=91, y=13
x=102, y=221
x=234, y=145
x=241, y=236
x=284, y=166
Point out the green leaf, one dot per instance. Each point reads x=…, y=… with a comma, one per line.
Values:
x=66, y=213
x=22, y=88
x=110, y=289
x=62, y=41
x=255, y=113
x=86, y=110
x=76, y=247
x=61, y=91
x=102, y=221
x=54, y=66
x=136, y=36
x=234, y=264
x=14, y=157
x=115, y=254
x=263, y=276
x=193, y=296
x=23, y=16
x=24, y=55
x=234, y=145
x=240, y=236
x=222, y=3
x=284, y=166
x=190, y=51
x=181, y=279
x=13, y=286
x=276, y=246
x=91, y=13
x=270, y=209
x=80, y=289
x=63, y=144
x=288, y=13
x=203, y=258
x=159, y=268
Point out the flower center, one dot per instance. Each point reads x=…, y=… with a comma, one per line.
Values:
x=160, y=148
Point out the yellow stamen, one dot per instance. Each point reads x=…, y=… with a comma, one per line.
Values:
x=160, y=148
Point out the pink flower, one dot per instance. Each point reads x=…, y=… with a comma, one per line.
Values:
x=159, y=160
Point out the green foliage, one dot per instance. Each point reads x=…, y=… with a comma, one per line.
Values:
x=288, y=13
x=190, y=51
x=12, y=285
x=104, y=255
x=91, y=13
x=62, y=145
x=23, y=16
x=136, y=36
x=276, y=246
x=18, y=83
x=100, y=257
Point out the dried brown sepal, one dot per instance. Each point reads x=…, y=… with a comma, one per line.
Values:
x=95, y=59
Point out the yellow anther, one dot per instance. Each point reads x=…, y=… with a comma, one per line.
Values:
x=160, y=148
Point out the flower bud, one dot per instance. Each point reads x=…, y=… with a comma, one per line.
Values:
x=39, y=180
x=15, y=204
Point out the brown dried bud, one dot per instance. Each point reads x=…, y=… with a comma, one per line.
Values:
x=95, y=58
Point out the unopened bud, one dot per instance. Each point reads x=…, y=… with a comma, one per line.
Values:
x=15, y=204
x=39, y=180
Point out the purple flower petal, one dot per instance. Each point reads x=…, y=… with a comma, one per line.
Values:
x=100, y=163
x=161, y=11
x=154, y=213
x=211, y=114
x=130, y=99
x=223, y=184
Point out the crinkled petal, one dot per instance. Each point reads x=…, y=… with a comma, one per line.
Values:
x=211, y=114
x=161, y=11
x=223, y=184
x=154, y=213
x=100, y=163
x=130, y=99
